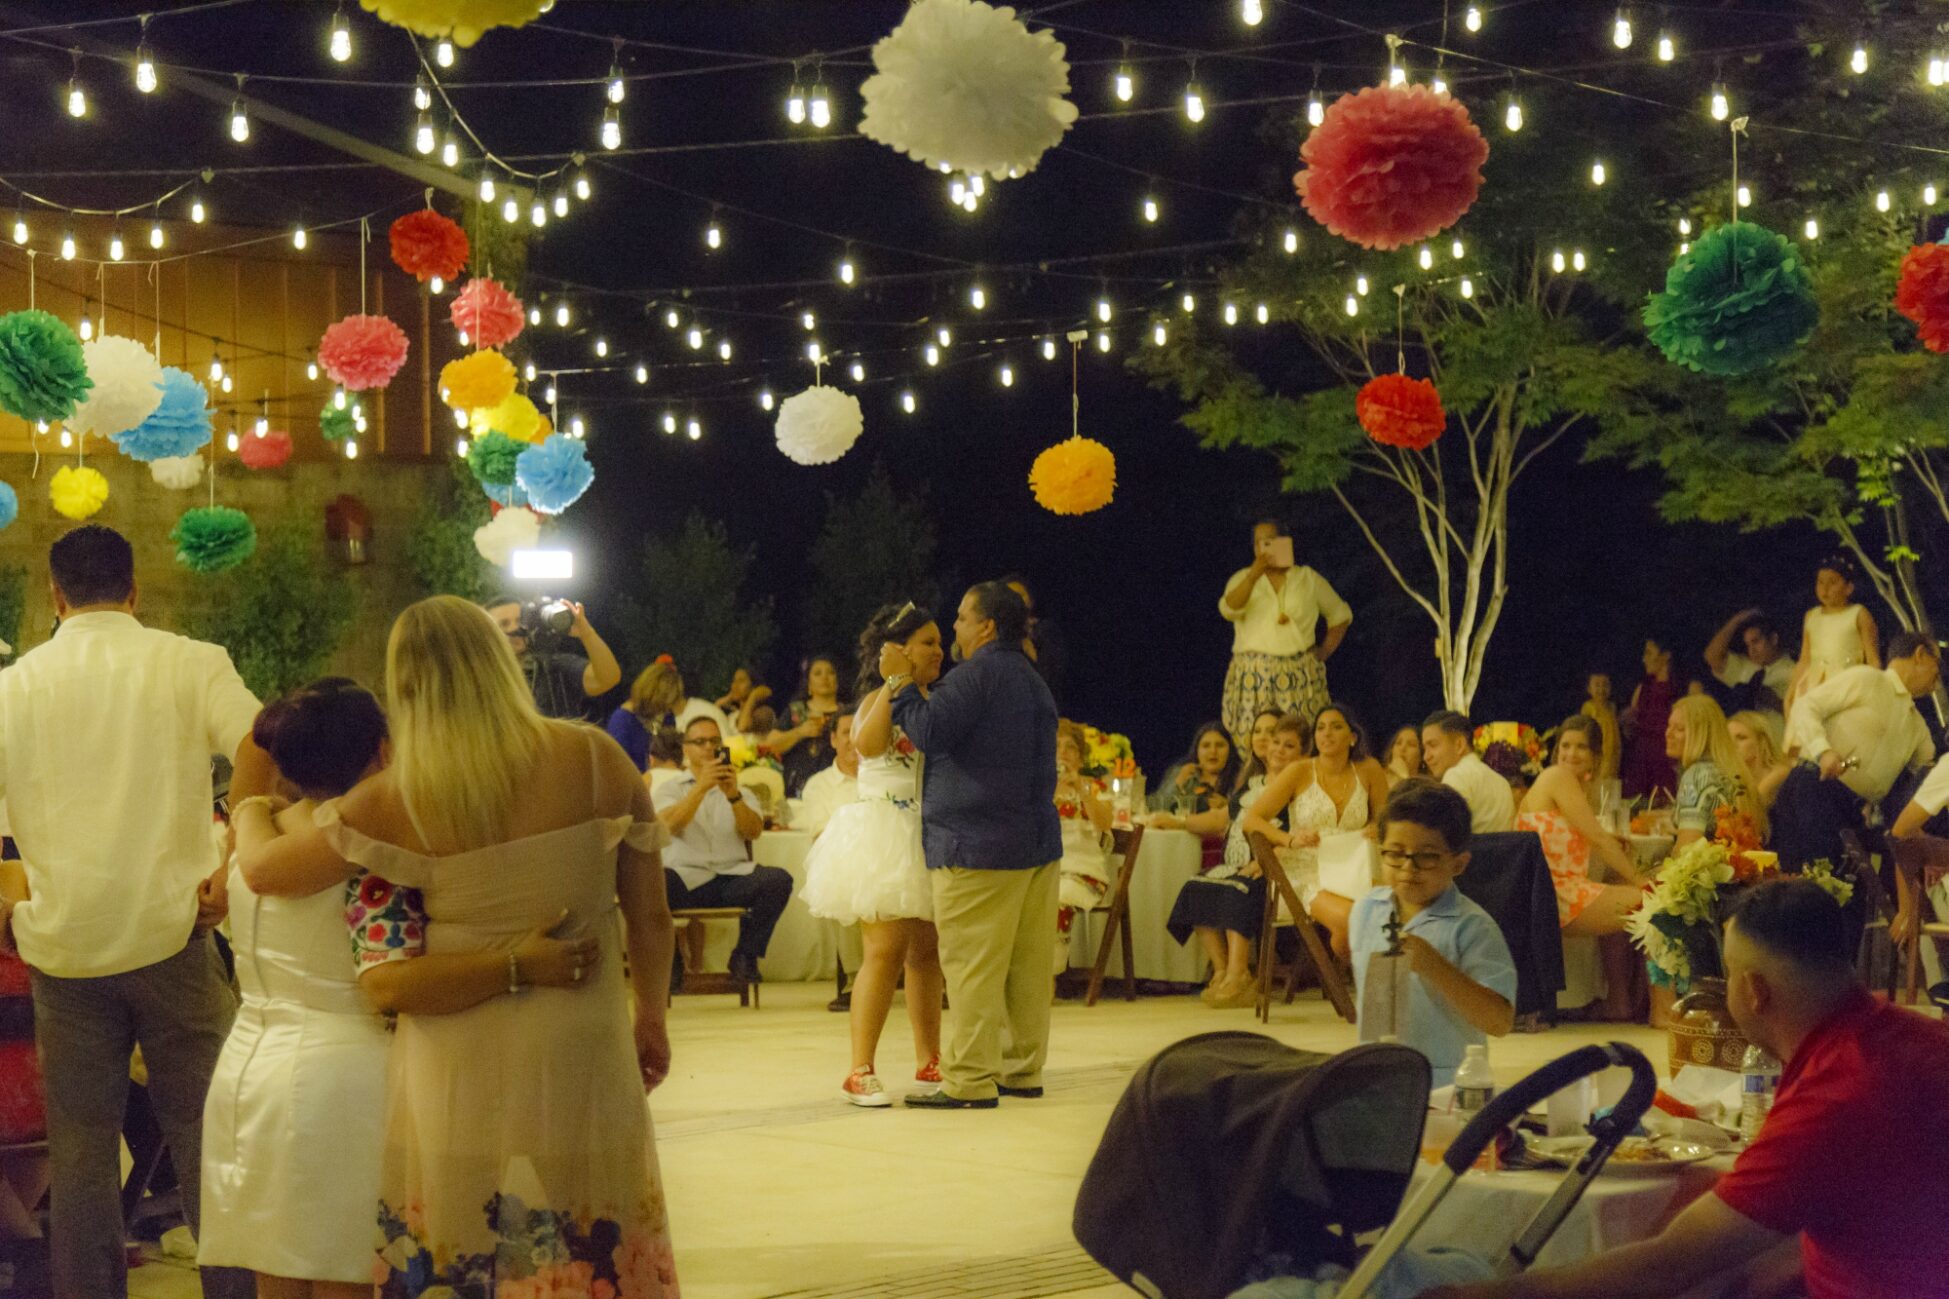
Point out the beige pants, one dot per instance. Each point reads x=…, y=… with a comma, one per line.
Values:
x=997, y=933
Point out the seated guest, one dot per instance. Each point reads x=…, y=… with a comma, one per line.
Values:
x=1085, y=816
x=656, y=700
x=1711, y=774
x=1251, y=776
x=1404, y=757
x=1840, y=1195
x=666, y=757
x=829, y=790
x=1760, y=738
x=1463, y=987
x=709, y=864
x=806, y=746
x=1195, y=792
x=745, y=694
x=1448, y=751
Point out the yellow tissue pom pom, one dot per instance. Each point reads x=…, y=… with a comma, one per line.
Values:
x=516, y=418
x=464, y=20
x=479, y=379
x=78, y=491
x=1074, y=476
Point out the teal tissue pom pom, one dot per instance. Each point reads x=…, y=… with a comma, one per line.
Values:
x=1739, y=300
x=179, y=426
x=554, y=474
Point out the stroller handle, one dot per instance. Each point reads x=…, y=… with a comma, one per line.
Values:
x=1507, y=1107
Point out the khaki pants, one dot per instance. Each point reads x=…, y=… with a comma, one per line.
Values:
x=998, y=935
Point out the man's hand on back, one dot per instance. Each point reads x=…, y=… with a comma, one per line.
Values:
x=213, y=900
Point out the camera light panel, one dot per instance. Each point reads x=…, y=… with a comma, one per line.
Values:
x=543, y=565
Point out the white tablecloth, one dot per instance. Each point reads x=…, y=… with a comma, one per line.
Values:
x=1165, y=861
x=803, y=947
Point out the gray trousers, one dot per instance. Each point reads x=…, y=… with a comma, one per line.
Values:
x=179, y=1011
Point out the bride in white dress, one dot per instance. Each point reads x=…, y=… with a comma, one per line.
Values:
x=867, y=867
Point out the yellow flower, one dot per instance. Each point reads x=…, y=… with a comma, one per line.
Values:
x=516, y=418
x=78, y=491
x=1075, y=476
x=479, y=379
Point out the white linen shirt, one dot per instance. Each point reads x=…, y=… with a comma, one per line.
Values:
x=1304, y=599
x=106, y=736
x=1933, y=794
x=1776, y=676
x=1492, y=804
x=1865, y=713
x=825, y=793
x=710, y=845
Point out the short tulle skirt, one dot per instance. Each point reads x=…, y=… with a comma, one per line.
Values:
x=868, y=865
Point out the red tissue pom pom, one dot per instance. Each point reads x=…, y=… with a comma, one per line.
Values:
x=363, y=352
x=267, y=452
x=1922, y=294
x=426, y=244
x=1401, y=412
x=1391, y=165
x=488, y=313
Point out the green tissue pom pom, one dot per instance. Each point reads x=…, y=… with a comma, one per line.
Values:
x=1741, y=299
x=42, y=371
x=336, y=424
x=213, y=539
x=492, y=458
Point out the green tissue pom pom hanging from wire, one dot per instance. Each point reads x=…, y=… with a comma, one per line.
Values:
x=492, y=458
x=1739, y=300
x=336, y=425
x=213, y=539
x=42, y=371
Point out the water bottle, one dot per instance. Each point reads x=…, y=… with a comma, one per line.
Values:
x=1759, y=1075
x=1474, y=1084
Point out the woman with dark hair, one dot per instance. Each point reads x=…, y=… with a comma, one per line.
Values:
x=805, y=749
x=745, y=694
x=867, y=868
x=1646, y=769
x=1196, y=791
x=1404, y=756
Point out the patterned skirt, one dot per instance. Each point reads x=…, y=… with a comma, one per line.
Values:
x=1281, y=683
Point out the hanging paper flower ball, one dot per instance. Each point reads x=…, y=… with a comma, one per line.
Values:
x=179, y=425
x=1075, y=476
x=487, y=313
x=965, y=84
x=42, y=370
x=77, y=491
x=9, y=505
x=554, y=474
x=361, y=352
x=1922, y=294
x=128, y=387
x=516, y=417
x=492, y=457
x=478, y=379
x=1739, y=300
x=213, y=538
x=426, y=244
x=1400, y=412
x=464, y=20
x=336, y=425
x=1391, y=165
x=177, y=473
x=512, y=529
x=267, y=452
x=819, y=425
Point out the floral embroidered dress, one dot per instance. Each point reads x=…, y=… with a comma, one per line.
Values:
x=1085, y=868
x=867, y=864
x=1568, y=853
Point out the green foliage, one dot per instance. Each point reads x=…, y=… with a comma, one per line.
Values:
x=13, y=606
x=875, y=548
x=281, y=614
x=688, y=603
x=440, y=548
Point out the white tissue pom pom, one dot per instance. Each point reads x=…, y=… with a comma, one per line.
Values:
x=514, y=528
x=178, y=472
x=128, y=386
x=966, y=84
x=819, y=425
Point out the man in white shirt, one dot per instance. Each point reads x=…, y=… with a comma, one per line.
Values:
x=1275, y=608
x=106, y=737
x=708, y=862
x=1447, y=748
x=831, y=789
x=1765, y=660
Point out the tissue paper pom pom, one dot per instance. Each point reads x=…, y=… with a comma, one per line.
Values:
x=179, y=425
x=77, y=491
x=492, y=458
x=42, y=371
x=267, y=452
x=128, y=387
x=819, y=425
x=1739, y=300
x=1074, y=476
x=336, y=425
x=426, y=244
x=490, y=315
x=464, y=20
x=9, y=505
x=554, y=474
x=477, y=379
x=214, y=538
x=512, y=529
x=1922, y=294
x=1400, y=412
x=362, y=352
x=966, y=84
x=516, y=417
x=1391, y=165
x=178, y=473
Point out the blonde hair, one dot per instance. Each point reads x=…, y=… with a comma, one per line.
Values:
x=658, y=689
x=465, y=730
x=1769, y=730
x=1706, y=737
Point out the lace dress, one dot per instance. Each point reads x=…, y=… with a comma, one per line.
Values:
x=867, y=864
x=1312, y=809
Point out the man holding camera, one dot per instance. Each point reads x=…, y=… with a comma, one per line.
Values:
x=708, y=863
x=563, y=681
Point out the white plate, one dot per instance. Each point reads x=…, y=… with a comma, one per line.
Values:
x=1678, y=1154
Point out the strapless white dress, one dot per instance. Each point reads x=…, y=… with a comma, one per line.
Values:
x=868, y=863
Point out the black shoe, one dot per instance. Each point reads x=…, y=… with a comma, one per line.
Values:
x=841, y=1004
x=744, y=968
x=943, y=1101
x=1021, y=1093
x=1939, y=994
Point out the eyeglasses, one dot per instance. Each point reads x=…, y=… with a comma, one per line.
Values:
x=1418, y=862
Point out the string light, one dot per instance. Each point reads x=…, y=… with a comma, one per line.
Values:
x=87, y=329
x=341, y=38
x=145, y=70
x=450, y=152
x=809, y=321
x=612, y=129
x=932, y=354
x=1007, y=375
x=1158, y=334
x=1439, y=86
x=1721, y=105
x=1103, y=310
x=115, y=250
x=1556, y=261
x=460, y=447
x=1813, y=228
x=528, y=372
x=907, y=402
x=1881, y=201
x=945, y=336
x=298, y=238
x=560, y=203
x=443, y=53
x=197, y=212
x=795, y=103
x=549, y=394
x=1456, y=250
x=847, y=272
x=538, y=213
x=21, y=233
x=723, y=349
x=1102, y=341
x=819, y=107
x=602, y=347
x=1928, y=194
x=582, y=188
x=465, y=339
x=1667, y=47
x=1468, y=287
x=239, y=121
x=1360, y=285
x=562, y=314
x=642, y=373
x=216, y=372
x=231, y=443
x=1231, y=313
x=1512, y=114
x=511, y=210
x=1858, y=62
x=1291, y=241
x=858, y=372
x=77, y=97
x=694, y=428
x=1125, y=84
x=1189, y=303
x=67, y=438
x=695, y=337
x=815, y=353
x=1685, y=225
x=1597, y=173
x=1577, y=262
x=1262, y=313
x=1353, y=305
x=424, y=141
x=1315, y=109
x=1251, y=12
x=1936, y=72
x=351, y=448
x=1397, y=75
x=1472, y=20
x=1048, y=349
x=978, y=298
x=713, y=236
x=617, y=88
x=765, y=399
x=669, y=422
x=671, y=319
x=1426, y=258
x=1745, y=196
x=576, y=428
x=311, y=371
x=1621, y=30
x=1150, y=208
x=1194, y=101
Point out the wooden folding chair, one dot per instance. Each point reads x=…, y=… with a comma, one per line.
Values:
x=1117, y=927
x=692, y=924
x=1311, y=949
x=1919, y=862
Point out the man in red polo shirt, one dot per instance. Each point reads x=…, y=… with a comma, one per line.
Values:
x=1845, y=1192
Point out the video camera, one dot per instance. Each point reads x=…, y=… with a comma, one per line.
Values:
x=547, y=621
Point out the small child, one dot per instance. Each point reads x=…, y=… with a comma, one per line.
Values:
x=1600, y=709
x=1837, y=633
x=1464, y=985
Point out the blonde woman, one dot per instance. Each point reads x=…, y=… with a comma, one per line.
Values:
x=657, y=700
x=1761, y=741
x=516, y=1133
x=1711, y=772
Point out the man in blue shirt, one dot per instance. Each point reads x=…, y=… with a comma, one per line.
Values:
x=993, y=844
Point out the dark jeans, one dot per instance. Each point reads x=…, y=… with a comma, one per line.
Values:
x=179, y=1011
x=763, y=894
x=1808, y=816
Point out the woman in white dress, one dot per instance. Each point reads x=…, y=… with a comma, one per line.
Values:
x=1086, y=870
x=868, y=869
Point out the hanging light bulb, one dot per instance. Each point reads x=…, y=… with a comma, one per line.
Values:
x=807, y=319
x=669, y=422
x=694, y=428
x=815, y=353
x=847, y=272
x=907, y=402
x=1103, y=310
x=1858, y=62
x=1251, y=12
x=449, y=152
x=582, y=186
x=1438, y=85
x=957, y=191
x=723, y=349
x=1667, y=47
x=1556, y=261
x=1597, y=173
x=262, y=427
x=858, y=372
x=1928, y=194
x=1159, y=335
x=1937, y=72
x=239, y=121
x=216, y=372
x=351, y=448
x=978, y=298
x=1685, y=225
x=1231, y=313
x=1468, y=287
x=197, y=212
x=528, y=372
x=87, y=328
x=549, y=394
x=460, y=447
x=1315, y=109
x=341, y=40
x=1577, y=262
x=1473, y=18
x=511, y=210
x=1427, y=258
x=231, y=442
x=1125, y=84
x=612, y=129
x=819, y=107
x=642, y=373
x=115, y=249
x=616, y=88
x=311, y=371
x=932, y=354
x=1360, y=285
x=155, y=234
x=1721, y=104
x=77, y=99
x=1102, y=340
x=1621, y=30
x=1812, y=228
x=443, y=53
x=1007, y=375
x=1291, y=241
x=576, y=428
x=1512, y=114
x=21, y=233
x=436, y=285
x=1456, y=250
x=465, y=339
x=424, y=141
x=562, y=314
x=1745, y=196
x=538, y=213
x=765, y=399
x=1048, y=349
x=422, y=97
x=299, y=239
x=338, y=399
x=67, y=438
x=1189, y=303
x=1151, y=211
x=1397, y=75
x=1194, y=102
x=602, y=347
x=795, y=104
x=945, y=336
x=713, y=236
x=145, y=71
x=560, y=203
x=1262, y=313
x=695, y=337
x=1353, y=305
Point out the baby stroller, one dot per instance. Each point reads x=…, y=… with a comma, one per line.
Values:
x=1232, y=1155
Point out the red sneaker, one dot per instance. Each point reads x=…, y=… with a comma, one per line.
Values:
x=863, y=1088
x=929, y=1074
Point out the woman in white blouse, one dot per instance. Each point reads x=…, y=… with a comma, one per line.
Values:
x=1275, y=608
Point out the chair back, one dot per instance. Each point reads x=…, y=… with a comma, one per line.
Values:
x=1125, y=843
x=1920, y=857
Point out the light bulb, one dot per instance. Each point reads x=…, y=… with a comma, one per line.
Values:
x=695, y=338
x=945, y=335
x=560, y=203
x=1597, y=173
x=311, y=371
x=693, y=428
x=338, y=399
x=814, y=353
x=239, y=122
x=669, y=422
x=1556, y=261
x=538, y=214
x=616, y=89
x=1102, y=341
x=422, y=97
x=1125, y=85
x=67, y=438
x=1194, y=103
x=1473, y=18
x=970, y=203
x=846, y=271
x=197, y=212
x=577, y=429
x=436, y=285
x=67, y=248
x=1291, y=241
x=21, y=232
x=115, y=249
x=765, y=400
x=1315, y=109
x=510, y=210
x=642, y=373
x=1251, y=12
x=1353, y=305
x=460, y=447
x=977, y=186
x=1577, y=262
x=341, y=39
x=299, y=239
x=612, y=129
x=1397, y=75
x=582, y=187
x=713, y=236
x=1721, y=106
x=87, y=329
x=1150, y=209
x=1621, y=30
x=1667, y=47
x=450, y=152
x=1813, y=228
x=1159, y=335
x=1262, y=313
x=1360, y=285
x=549, y=395
x=528, y=372
x=807, y=319
x=602, y=347
x=155, y=234
x=443, y=53
x=1438, y=85
x=795, y=105
x=1427, y=258
x=77, y=99
x=858, y=372
x=1048, y=349
x=1189, y=302
x=1468, y=287
x=1859, y=60
x=819, y=108
x=261, y=427
x=351, y=448
x=1685, y=225
x=423, y=138
x=1745, y=196
x=978, y=298
x=907, y=402
x=957, y=191
x=562, y=314
x=932, y=354
x=1007, y=376
x=1231, y=313
x=216, y=369
x=1456, y=250
x=1103, y=310
x=1512, y=115
x=1928, y=194
x=460, y=419
x=145, y=71
x=231, y=443
x=1937, y=74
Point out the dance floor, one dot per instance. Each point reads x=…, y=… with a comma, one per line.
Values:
x=779, y=1189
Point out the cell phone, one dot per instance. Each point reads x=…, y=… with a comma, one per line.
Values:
x=1279, y=550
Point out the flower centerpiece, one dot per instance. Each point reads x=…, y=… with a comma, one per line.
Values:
x=1510, y=749
x=745, y=752
x=1109, y=759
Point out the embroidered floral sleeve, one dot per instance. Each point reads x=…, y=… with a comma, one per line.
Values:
x=388, y=922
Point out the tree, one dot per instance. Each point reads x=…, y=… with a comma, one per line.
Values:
x=13, y=607
x=688, y=603
x=875, y=547
x=282, y=613
x=440, y=548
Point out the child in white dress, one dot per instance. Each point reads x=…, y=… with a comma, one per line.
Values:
x=1837, y=633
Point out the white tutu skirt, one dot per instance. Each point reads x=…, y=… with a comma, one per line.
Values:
x=868, y=865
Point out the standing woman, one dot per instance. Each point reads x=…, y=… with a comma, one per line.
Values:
x=868, y=868
x=518, y=1148
x=654, y=698
x=1647, y=769
x=805, y=749
x=1275, y=608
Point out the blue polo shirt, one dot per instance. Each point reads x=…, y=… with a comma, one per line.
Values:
x=1468, y=938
